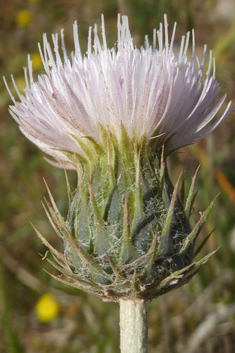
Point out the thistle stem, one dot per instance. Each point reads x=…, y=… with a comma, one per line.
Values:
x=133, y=326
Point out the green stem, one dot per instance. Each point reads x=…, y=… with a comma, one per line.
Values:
x=9, y=337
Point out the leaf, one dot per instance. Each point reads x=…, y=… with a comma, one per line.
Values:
x=191, y=195
x=165, y=239
x=198, y=227
x=203, y=243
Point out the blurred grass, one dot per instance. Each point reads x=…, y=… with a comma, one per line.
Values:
x=85, y=324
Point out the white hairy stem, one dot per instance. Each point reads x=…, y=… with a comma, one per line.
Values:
x=133, y=326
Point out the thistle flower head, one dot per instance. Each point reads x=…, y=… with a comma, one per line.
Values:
x=151, y=92
x=114, y=115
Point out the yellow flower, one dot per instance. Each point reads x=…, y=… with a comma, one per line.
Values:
x=20, y=84
x=47, y=308
x=24, y=18
x=37, y=61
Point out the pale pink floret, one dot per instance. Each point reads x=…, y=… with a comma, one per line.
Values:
x=150, y=91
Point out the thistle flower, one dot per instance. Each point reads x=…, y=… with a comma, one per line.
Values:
x=150, y=92
x=114, y=115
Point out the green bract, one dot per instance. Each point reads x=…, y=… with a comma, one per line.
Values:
x=127, y=233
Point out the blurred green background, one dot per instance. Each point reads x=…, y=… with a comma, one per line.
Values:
x=196, y=318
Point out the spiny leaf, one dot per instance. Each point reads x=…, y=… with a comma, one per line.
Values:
x=145, y=156
x=182, y=192
x=112, y=155
x=86, y=148
x=85, y=257
x=191, y=196
x=203, y=243
x=116, y=271
x=152, y=252
x=73, y=208
x=198, y=227
x=165, y=242
x=75, y=284
x=110, y=159
x=192, y=203
x=112, y=177
x=73, y=275
x=68, y=187
x=59, y=257
x=98, y=149
x=126, y=146
x=206, y=258
x=56, y=211
x=77, y=219
x=164, y=180
x=134, y=286
x=176, y=275
x=142, y=143
x=199, y=264
x=138, y=171
x=95, y=208
x=72, y=156
x=106, y=134
x=111, y=212
x=162, y=169
x=53, y=219
x=58, y=267
x=138, y=199
x=128, y=252
x=80, y=169
x=102, y=242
